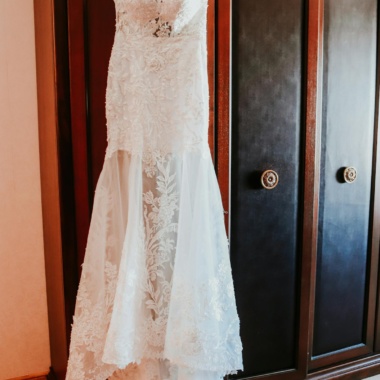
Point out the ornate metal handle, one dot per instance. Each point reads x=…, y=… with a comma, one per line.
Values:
x=350, y=174
x=269, y=179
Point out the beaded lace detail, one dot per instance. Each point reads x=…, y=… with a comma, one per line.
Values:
x=157, y=100
x=160, y=18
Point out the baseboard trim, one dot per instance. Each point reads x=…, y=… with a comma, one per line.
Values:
x=37, y=376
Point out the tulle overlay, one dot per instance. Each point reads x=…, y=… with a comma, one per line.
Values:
x=156, y=298
x=156, y=281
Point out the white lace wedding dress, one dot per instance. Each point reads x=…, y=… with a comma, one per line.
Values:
x=156, y=298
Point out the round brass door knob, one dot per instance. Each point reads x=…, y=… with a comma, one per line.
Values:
x=269, y=179
x=350, y=174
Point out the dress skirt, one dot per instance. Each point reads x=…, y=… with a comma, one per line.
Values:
x=156, y=298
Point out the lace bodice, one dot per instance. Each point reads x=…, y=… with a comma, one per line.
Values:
x=157, y=92
x=160, y=18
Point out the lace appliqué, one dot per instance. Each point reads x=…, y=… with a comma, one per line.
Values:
x=193, y=307
x=160, y=208
x=160, y=18
x=200, y=344
x=157, y=91
x=93, y=309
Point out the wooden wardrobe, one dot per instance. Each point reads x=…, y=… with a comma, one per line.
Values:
x=303, y=185
x=294, y=133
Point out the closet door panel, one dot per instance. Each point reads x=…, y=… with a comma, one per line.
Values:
x=349, y=90
x=266, y=114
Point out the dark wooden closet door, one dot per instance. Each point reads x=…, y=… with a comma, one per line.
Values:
x=99, y=34
x=267, y=66
x=344, y=312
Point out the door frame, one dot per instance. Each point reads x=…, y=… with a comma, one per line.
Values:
x=57, y=182
x=311, y=154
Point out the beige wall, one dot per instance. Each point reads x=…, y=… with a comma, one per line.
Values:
x=24, y=342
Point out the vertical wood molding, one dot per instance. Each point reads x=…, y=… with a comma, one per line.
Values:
x=211, y=72
x=375, y=243
x=313, y=114
x=78, y=105
x=50, y=182
x=222, y=90
x=373, y=322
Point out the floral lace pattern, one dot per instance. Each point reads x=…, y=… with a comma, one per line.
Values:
x=160, y=18
x=156, y=298
x=104, y=344
x=157, y=91
x=160, y=227
x=93, y=309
